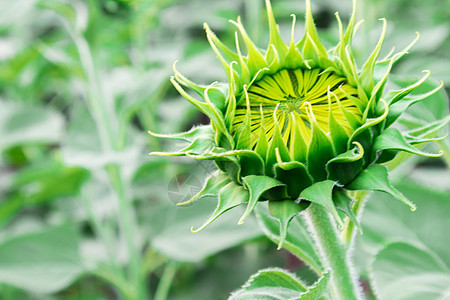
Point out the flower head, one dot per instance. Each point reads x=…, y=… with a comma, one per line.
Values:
x=297, y=123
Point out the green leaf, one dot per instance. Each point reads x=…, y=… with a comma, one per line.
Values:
x=321, y=193
x=297, y=240
x=265, y=293
x=338, y=134
x=318, y=289
x=270, y=284
x=403, y=271
x=434, y=106
x=47, y=181
x=376, y=178
x=393, y=139
x=231, y=195
x=284, y=211
x=257, y=185
x=385, y=221
x=274, y=277
x=173, y=239
x=27, y=124
x=42, y=262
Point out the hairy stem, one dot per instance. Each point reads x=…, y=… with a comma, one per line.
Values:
x=334, y=256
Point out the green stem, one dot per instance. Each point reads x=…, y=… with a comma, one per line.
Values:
x=344, y=285
x=128, y=227
x=166, y=281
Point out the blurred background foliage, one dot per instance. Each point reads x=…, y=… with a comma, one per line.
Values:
x=85, y=213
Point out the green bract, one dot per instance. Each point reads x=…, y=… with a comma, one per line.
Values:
x=298, y=123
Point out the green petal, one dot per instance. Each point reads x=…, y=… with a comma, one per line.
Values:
x=320, y=151
x=276, y=143
x=427, y=130
x=370, y=122
x=337, y=132
x=255, y=60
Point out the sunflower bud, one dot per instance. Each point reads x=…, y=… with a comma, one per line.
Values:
x=298, y=123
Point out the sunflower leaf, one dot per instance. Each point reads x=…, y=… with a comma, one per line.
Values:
x=271, y=283
x=318, y=289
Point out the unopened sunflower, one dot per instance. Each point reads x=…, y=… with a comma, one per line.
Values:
x=298, y=123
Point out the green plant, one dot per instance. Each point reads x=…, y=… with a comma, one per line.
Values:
x=303, y=128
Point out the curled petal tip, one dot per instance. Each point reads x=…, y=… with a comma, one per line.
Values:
x=280, y=244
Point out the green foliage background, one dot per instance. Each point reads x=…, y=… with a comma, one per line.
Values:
x=85, y=213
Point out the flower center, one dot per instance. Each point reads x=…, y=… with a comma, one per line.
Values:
x=292, y=98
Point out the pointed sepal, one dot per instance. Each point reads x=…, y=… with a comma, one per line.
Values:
x=344, y=204
x=376, y=178
x=393, y=139
x=257, y=186
x=230, y=196
x=322, y=193
x=284, y=211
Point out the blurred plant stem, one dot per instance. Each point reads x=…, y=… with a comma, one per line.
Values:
x=166, y=281
x=129, y=229
x=100, y=105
